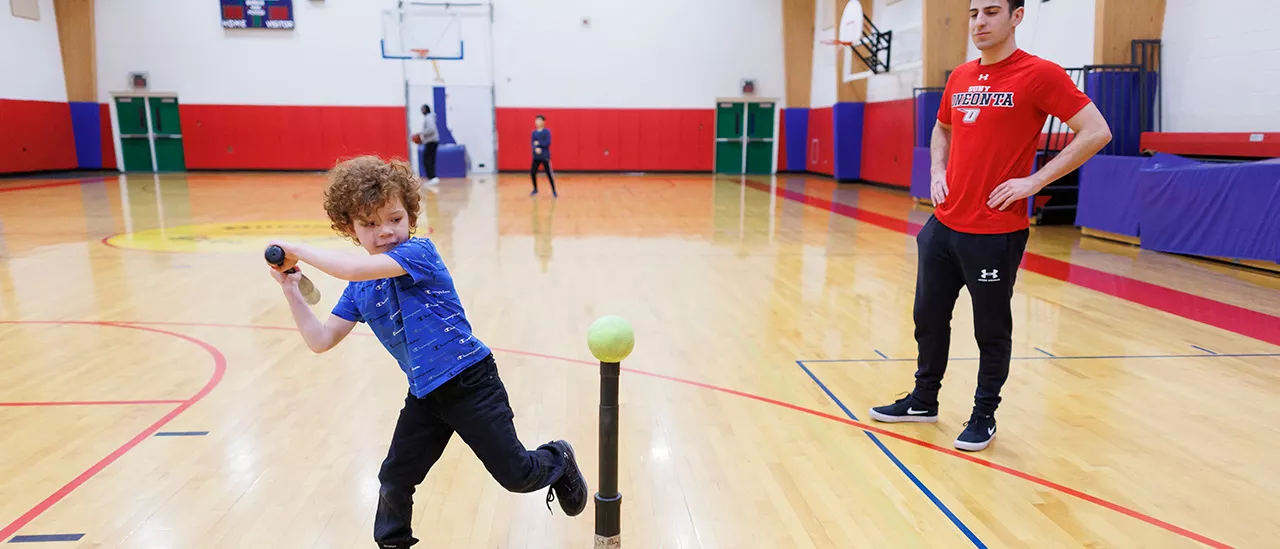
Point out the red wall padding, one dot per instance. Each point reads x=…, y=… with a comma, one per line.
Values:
x=821, y=149
x=887, y=142
x=36, y=136
x=108, y=137
x=611, y=139
x=288, y=138
x=1246, y=145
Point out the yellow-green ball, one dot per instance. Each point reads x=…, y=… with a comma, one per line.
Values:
x=611, y=339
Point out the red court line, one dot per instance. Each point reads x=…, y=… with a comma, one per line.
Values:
x=88, y=403
x=1232, y=318
x=219, y=368
x=954, y=453
x=51, y=185
x=923, y=444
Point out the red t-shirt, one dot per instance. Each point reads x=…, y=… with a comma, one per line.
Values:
x=997, y=114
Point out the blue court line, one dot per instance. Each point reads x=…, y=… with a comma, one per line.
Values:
x=1060, y=357
x=1203, y=349
x=880, y=353
x=954, y=519
x=1047, y=353
x=45, y=537
x=182, y=433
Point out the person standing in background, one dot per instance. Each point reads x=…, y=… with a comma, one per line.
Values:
x=430, y=139
x=542, y=154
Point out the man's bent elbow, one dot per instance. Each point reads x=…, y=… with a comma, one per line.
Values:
x=1103, y=136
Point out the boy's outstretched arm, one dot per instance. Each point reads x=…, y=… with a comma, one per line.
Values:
x=340, y=265
x=318, y=337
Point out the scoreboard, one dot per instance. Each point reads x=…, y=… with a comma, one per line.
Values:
x=257, y=14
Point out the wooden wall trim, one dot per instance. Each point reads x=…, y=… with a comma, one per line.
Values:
x=797, y=35
x=946, y=39
x=79, y=48
x=1117, y=23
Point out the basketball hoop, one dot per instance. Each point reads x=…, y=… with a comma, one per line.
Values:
x=421, y=53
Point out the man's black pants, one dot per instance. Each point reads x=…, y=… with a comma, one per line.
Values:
x=987, y=264
x=429, y=151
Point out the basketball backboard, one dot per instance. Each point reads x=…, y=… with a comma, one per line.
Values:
x=870, y=50
x=429, y=30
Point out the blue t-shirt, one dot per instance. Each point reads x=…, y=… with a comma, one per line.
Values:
x=417, y=317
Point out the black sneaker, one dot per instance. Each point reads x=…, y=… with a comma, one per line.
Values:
x=906, y=409
x=978, y=432
x=571, y=487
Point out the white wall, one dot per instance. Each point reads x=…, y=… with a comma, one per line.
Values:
x=1221, y=66
x=31, y=57
x=663, y=54
x=1060, y=31
x=656, y=53
x=332, y=57
x=905, y=18
x=824, y=79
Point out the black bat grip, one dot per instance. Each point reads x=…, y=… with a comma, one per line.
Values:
x=275, y=256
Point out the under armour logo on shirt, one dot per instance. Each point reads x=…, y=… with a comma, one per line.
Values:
x=982, y=77
x=992, y=275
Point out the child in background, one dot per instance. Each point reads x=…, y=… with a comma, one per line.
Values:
x=542, y=154
x=406, y=295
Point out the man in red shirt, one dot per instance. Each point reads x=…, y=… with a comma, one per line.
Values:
x=983, y=151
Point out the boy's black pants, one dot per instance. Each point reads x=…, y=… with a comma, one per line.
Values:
x=475, y=405
x=533, y=172
x=987, y=264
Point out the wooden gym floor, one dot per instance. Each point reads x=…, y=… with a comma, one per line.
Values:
x=153, y=393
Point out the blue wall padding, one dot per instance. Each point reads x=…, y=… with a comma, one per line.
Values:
x=927, y=105
x=1109, y=199
x=86, y=122
x=1117, y=96
x=1214, y=210
x=797, y=121
x=848, y=118
x=920, y=175
x=441, y=111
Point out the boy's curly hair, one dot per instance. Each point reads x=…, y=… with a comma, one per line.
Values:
x=359, y=186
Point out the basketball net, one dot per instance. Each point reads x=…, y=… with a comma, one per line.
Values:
x=423, y=53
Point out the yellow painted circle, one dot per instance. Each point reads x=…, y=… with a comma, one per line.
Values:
x=240, y=237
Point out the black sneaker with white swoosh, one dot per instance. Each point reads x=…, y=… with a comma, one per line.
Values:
x=978, y=432
x=906, y=409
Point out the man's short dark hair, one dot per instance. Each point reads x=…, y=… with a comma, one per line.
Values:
x=540, y=117
x=1015, y=4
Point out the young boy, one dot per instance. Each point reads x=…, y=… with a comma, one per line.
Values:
x=406, y=295
x=542, y=154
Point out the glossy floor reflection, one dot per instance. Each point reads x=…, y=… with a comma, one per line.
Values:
x=153, y=394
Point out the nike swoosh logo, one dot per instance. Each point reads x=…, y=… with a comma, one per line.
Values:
x=914, y=412
x=991, y=431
